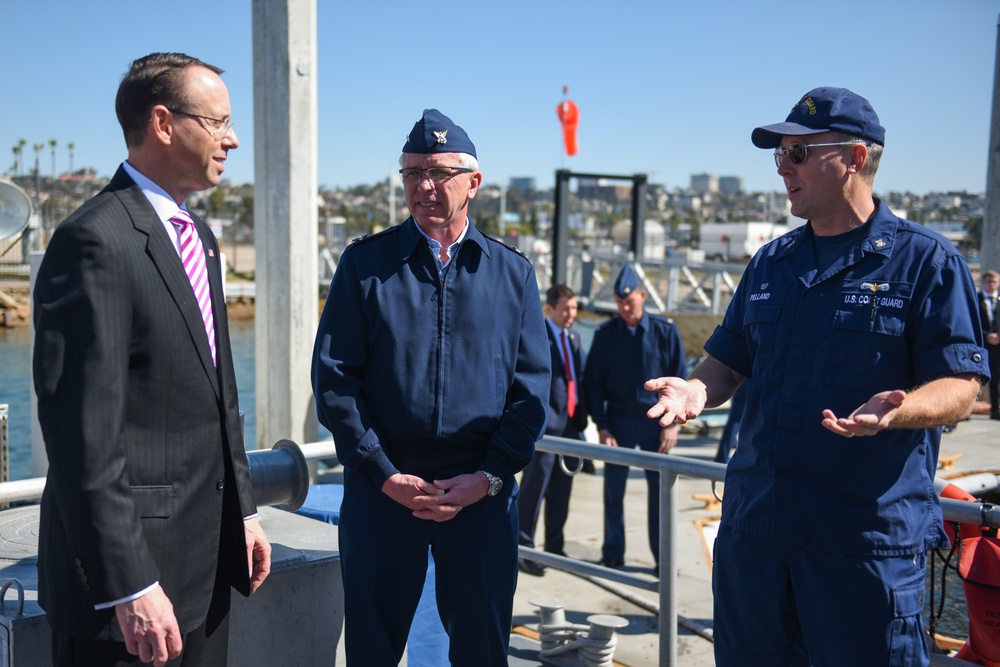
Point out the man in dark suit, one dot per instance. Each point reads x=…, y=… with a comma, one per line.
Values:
x=567, y=417
x=989, y=315
x=147, y=518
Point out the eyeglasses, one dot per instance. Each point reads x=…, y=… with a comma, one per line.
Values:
x=413, y=175
x=219, y=130
x=799, y=151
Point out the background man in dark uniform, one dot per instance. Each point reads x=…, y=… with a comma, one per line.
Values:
x=148, y=517
x=989, y=315
x=623, y=350
x=431, y=371
x=858, y=323
x=544, y=478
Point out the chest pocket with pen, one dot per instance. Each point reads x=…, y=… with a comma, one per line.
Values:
x=873, y=306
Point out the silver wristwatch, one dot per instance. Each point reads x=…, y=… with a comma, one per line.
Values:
x=495, y=483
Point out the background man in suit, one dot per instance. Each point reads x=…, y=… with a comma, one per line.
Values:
x=147, y=517
x=543, y=477
x=989, y=314
x=623, y=351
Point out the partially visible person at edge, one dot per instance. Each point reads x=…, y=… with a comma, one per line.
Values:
x=431, y=370
x=544, y=478
x=858, y=331
x=621, y=355
x=989, y=314
x=148, y=517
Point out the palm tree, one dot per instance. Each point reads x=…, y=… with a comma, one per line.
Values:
x=20, y=148
x=71, y=146
x=52, y=147
x=15, y=150
x=38, y=151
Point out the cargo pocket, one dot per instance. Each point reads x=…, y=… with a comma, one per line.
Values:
x=907, y=646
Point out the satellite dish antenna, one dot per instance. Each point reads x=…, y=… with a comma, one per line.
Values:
x=15, y=209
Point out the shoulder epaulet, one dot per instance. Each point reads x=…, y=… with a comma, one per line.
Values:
x=370, y=236
x=662, y=318
x=505, y=245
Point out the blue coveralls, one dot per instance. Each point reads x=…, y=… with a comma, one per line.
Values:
x=820, y=558
x=430, y=374
x=618, y=364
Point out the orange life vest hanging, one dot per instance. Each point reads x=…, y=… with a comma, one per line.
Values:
x=979, y=569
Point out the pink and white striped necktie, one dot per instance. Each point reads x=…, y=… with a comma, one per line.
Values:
x=193, y=258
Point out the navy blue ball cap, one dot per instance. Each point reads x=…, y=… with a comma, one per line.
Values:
x=823, y=110
x=436, y=133
x=627, y=281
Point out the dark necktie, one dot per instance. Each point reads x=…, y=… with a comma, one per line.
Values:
x=570, y=384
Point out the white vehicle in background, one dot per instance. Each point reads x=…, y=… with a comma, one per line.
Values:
x=737, y=241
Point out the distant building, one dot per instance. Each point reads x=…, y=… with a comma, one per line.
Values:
x=704, y=183
x=599, y=189
x=523, y=184
x=732, y=185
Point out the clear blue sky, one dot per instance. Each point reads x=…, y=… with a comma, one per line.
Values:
x=664, y=88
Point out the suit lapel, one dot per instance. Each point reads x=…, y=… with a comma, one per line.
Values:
x=558, y=365
x=164, y=257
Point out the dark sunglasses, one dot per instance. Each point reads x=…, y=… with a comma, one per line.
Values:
x=799, y=151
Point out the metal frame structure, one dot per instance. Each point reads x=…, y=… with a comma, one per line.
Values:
x=560, y=227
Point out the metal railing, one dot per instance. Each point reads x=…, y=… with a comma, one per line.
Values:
x=282, y=468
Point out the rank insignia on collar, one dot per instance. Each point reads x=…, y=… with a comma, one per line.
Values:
x=442, y=137
x=879, y=243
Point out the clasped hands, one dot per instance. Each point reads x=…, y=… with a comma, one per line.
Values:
x=440, y=500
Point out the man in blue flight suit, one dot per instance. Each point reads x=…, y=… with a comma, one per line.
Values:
x=858, y=330
x=567, y=417
x=430, y=370
x=621, y=354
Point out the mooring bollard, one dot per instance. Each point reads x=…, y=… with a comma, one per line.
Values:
x=594, y=643
x=599, y=648
x=552, y=627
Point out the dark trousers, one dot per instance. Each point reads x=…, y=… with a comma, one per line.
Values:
x=203, y=647
x=383, y=551
x=630, y=433
x=816, y=608
x=544, y=478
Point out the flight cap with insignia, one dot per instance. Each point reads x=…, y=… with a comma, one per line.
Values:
x=436, y=133
x=627, y=281
x=824, y=110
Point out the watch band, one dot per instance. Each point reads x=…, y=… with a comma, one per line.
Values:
x=495, y=483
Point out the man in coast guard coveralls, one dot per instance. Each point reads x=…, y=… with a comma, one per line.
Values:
x=859, y=332
x=431, y=369
x=625, y=350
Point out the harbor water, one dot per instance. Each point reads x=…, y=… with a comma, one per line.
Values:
x=15, y=388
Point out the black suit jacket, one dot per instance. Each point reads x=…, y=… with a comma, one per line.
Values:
x=147, y=471
x=559, y=422
x=989, y=323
